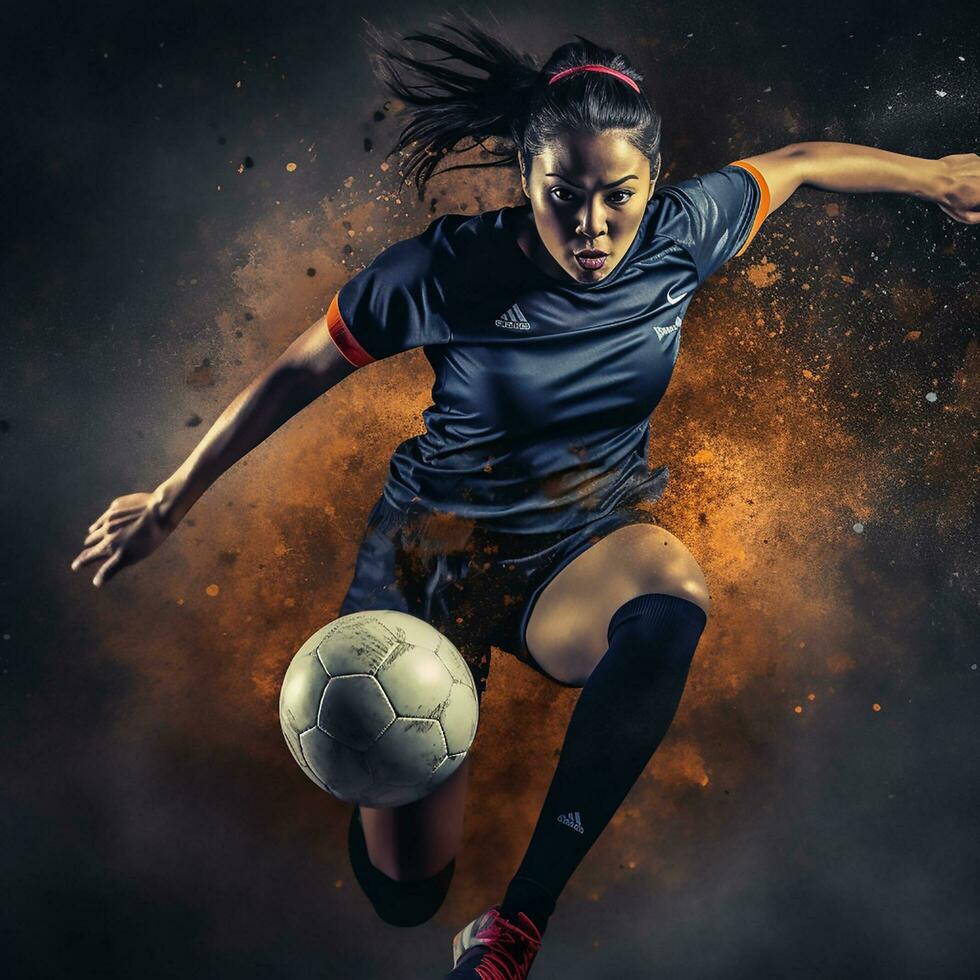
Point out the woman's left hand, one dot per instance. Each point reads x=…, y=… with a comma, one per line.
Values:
x=959, y=187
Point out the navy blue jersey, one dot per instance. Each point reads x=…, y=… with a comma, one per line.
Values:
x=540, y=414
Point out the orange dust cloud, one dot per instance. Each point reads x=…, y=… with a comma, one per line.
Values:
x=768, y=476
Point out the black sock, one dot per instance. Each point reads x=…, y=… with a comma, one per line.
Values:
x=527, y=896
x=622, y=715
x=399, y=903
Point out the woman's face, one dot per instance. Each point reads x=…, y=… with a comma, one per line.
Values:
x=587, y=193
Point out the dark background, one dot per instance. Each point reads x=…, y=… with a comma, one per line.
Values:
x=812, y=812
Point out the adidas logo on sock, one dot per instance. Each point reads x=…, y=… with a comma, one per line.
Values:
x=573, y=820
x=514, y=319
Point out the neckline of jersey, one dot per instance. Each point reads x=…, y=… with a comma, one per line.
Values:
x=509, y=215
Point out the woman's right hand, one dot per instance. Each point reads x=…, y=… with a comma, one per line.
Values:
x=129, y=530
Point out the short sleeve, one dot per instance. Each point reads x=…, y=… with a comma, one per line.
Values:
x=719, y=213
x=397, y=303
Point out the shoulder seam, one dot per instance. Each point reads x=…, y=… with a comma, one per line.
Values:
x=680, y=244
x=683, y=247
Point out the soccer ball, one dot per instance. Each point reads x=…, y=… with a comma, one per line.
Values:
x=378, y=708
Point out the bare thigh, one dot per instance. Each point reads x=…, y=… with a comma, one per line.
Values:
x=566, y=631
x=419, y=839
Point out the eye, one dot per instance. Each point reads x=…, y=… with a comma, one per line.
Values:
x=566, y=200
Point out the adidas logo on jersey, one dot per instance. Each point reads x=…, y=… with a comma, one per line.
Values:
x=514, y=319
x=573, y=820
x=663, y=331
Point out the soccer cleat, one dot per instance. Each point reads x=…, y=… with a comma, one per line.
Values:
x=494, y=948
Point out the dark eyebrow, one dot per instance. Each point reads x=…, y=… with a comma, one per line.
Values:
x=572, y=182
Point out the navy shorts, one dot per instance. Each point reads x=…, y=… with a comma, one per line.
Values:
x=474, y=585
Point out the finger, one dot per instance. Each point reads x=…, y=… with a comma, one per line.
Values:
x=100, y=518
x=93, y=538
x=92, y=554
x=78, y=561
x=120, y=520
x=110, y=514
x=107, y=570
x=106, y=531
x=115, y=522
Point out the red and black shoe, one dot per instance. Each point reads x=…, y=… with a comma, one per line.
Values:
x=494, y=948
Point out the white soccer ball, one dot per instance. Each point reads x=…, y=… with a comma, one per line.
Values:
x=378, y=708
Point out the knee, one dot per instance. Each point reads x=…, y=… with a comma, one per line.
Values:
x=694, y=593
x=662, y=564
x=690, y=586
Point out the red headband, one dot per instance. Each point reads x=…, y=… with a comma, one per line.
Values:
x=609, y=71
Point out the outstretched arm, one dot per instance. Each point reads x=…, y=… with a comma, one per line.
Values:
x=134, y=525
x=952, y=182
x=311, y=365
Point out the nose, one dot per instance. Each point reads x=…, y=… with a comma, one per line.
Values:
x=591, y=222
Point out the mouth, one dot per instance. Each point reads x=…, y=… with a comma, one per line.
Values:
x=591, y=258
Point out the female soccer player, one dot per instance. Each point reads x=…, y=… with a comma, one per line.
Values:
x=517, y=518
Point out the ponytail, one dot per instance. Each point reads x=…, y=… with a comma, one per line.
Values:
x=512, y=101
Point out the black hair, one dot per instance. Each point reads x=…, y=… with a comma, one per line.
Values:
x=512, y=102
